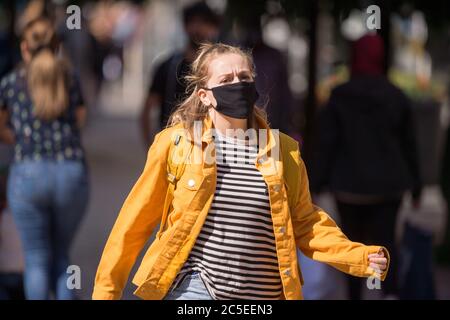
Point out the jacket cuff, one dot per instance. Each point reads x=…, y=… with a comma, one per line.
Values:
x=371, y=272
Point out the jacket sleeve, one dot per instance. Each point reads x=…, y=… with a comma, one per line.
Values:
x=319, y=238
x=140, y=213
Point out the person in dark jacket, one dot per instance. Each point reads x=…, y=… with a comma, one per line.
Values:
x=168, y=86
x=366, y=154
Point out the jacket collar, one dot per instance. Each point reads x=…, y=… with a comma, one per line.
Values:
x=269, y=155
x=206, y=133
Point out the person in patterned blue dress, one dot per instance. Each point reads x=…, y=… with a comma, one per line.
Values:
x=41, y=114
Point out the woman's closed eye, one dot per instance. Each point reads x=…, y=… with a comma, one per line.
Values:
x=245, y=78
x=226, y=80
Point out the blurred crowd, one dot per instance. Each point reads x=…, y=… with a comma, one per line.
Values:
x=378, y=138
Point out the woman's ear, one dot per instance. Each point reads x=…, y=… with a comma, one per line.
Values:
x=203, y=95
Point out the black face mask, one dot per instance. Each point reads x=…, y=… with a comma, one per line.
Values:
x=235, y=100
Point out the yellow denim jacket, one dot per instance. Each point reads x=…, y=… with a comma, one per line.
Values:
x=301, y=225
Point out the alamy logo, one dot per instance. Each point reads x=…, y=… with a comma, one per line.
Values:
x=373, y=18
x=374, y=282
x=259, y=137
x=73, y=21
x=74, y=278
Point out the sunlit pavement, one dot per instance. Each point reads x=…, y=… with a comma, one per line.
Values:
x=116, y=157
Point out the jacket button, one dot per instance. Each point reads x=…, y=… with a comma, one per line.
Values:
x=276, y=188
x=260, y=160
x=287, y=272
x=282, y=229
x=191, y=182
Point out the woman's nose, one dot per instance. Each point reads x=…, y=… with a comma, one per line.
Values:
x=236, y=79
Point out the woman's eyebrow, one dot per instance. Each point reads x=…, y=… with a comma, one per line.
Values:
x=243, y=72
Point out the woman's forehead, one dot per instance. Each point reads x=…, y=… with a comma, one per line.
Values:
x=228, y=63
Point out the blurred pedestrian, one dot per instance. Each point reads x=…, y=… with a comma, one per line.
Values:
x=41, y=114
x=367, y=155
x=168, y=87
x=231, y=219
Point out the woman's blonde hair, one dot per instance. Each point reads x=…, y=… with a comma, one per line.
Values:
x=47, y=74
x=192, y=109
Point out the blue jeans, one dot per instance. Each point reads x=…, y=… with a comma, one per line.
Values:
x=191, y=288
x=47, y=200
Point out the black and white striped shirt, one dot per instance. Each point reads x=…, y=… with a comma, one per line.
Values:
x=235, y=251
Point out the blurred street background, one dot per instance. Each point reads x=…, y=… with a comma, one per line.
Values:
x=302, y=51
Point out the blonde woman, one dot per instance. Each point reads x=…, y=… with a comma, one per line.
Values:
x=41, y=112
x=231, y=226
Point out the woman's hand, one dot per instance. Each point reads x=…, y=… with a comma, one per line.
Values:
x=377, y=261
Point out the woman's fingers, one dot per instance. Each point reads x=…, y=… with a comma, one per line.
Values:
x=378, y=260
x=378, y=254
x=377, y=267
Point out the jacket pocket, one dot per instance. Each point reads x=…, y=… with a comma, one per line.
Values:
x=185, y=193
